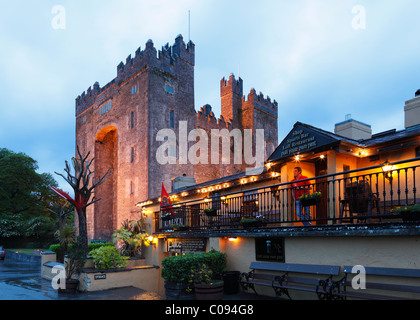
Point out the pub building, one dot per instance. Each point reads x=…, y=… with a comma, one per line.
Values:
x=357, y=184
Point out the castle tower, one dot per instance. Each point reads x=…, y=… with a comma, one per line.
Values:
x=231, y=92
x=261, y=113
x=119, y=125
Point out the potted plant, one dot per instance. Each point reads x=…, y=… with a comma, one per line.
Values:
x=131, y=238
x=205, y=286
x=165, y=216
x=74, y=262
x=108, y=258
x=258, y=221
x=179, y=227
x=409, y=213
x=176, y=271
x=210, y=212
x=310, y=199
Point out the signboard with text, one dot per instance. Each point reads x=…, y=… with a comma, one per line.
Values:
x=300, y=140
x=186, y=245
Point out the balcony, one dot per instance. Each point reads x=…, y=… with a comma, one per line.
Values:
x=368, y=196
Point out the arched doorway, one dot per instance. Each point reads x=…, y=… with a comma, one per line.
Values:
x=105, y=158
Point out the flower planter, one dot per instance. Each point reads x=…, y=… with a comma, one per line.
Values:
x=310, y=201
x=211, y=212
x=253, y=224
x=410, y=216
x=181, y=228
x=212, y=291
x=177, y=291
x=71, y=286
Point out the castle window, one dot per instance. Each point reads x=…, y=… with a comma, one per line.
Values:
x=172, y=148
x=105, y=108
x=132, y=154
x=131, y=187
x=169, y=88
x=132, y=119
x=84, y=120
x=172, y=118
x=134, y=90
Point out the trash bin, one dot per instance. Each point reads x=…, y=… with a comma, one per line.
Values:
x=231, y=279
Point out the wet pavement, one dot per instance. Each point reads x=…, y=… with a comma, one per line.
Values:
x=22, y=281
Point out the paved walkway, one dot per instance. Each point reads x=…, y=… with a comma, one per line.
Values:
x=22, y=281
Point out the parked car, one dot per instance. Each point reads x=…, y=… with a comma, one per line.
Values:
x=2, y=253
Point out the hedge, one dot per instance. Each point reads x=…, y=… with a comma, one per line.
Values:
x=91, y=246
x=178, y=268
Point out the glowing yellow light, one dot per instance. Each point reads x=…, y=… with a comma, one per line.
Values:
x=322, y=156
x=233, y=239
x=297, y=158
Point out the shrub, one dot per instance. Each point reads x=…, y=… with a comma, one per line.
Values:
x=179, y=268
x=92, y=246
x=108, y=258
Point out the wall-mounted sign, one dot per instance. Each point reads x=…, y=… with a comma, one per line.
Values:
x=301, y=139
x=99, y=276
x=269, y=249
x=186, y=245
x=97, y=241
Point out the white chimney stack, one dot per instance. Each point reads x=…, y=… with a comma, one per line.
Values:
x=412, y=111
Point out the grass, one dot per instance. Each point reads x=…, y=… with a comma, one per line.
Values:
x=26, y=251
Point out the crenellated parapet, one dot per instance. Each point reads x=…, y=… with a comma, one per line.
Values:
x=231, y=86
x=206, y=119
x=169, y=60
x=258, y=101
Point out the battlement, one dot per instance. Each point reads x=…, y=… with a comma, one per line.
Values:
x=165, y=60
x=205, y=118
x=258, y=101
x=231, y=85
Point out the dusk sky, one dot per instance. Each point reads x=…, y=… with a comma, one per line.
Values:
x=320, y=60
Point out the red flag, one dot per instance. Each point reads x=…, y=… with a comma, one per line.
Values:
x=166, y=203
x=79, y=203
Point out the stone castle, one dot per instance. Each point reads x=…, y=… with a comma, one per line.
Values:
x=154, y=90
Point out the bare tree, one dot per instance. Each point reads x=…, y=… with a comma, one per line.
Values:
x=83, y=183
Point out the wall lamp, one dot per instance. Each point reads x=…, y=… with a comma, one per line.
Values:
x=387, y=169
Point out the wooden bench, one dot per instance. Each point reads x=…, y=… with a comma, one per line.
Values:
x=385, y=289
x=277, y=276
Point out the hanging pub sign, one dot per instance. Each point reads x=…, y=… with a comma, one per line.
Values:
x=194, y=245
x=301, y=139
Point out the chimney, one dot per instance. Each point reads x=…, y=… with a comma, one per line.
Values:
x=353, y=129
x=412, y=111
